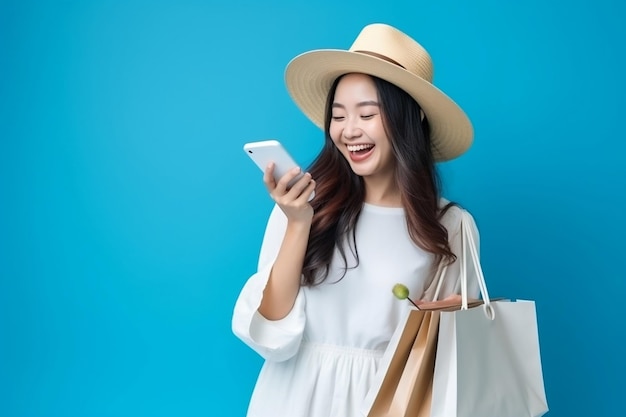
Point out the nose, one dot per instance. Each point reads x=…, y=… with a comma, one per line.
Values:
x=352, y=129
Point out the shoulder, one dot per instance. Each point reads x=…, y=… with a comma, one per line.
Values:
x=453, y=216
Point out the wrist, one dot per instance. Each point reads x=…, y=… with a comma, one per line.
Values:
x=299, y=225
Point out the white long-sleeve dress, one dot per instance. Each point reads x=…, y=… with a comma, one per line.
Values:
x=321, y=358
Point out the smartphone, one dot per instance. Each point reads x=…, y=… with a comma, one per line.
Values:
x=266, y=151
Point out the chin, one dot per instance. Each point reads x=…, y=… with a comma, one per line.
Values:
x=361, y=171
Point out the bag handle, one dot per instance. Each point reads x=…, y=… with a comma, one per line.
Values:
x=439, y=275
x=468, y=241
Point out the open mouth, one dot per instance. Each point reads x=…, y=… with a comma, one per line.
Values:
x=360, y=152
x=360, y=149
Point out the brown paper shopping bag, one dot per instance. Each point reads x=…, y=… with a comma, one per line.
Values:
x=404, y=388
x=403, y=385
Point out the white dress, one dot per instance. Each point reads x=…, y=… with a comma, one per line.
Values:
x=321, y=358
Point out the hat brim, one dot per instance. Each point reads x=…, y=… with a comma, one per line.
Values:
x=309, y=77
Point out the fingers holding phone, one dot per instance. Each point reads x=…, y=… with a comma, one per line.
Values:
x=278, y=165
x=295, y=185
x=283, y=180
x=292, y=192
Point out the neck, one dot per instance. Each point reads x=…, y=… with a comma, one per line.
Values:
x=382, y=192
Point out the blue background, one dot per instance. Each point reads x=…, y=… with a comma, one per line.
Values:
x=130, y=217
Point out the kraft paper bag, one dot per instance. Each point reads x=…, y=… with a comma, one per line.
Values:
x=404, y=384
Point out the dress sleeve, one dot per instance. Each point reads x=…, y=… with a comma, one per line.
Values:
x=452, y=279
x=275, y=340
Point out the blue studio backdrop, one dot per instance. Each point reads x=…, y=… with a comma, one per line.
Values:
x=130, y=216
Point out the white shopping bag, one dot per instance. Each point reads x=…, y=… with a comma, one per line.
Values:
x=488, y=361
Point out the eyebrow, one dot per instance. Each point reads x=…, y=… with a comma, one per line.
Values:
x=361, y=104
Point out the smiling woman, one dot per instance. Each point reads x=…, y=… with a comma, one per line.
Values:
x=377, y=218
x=357, y=130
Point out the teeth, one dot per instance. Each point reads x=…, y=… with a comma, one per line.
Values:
x=355, y=148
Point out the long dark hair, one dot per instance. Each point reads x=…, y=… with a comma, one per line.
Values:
x=340, y=193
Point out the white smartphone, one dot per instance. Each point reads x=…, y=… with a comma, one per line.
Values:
x=266, y=151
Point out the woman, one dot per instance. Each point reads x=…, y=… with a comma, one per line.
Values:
x=320, y=309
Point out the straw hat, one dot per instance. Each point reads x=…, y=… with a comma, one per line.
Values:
x=387, y=53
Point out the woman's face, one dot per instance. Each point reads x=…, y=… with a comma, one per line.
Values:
x=356, y=127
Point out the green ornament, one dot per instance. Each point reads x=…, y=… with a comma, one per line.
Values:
x=401, y=291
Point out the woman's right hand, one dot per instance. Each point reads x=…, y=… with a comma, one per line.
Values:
x=284, y=280
x=294, y=202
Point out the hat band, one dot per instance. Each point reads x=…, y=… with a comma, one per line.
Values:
x=383, y=57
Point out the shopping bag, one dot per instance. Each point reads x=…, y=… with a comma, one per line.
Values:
x=488, y=361
x=404, y=388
